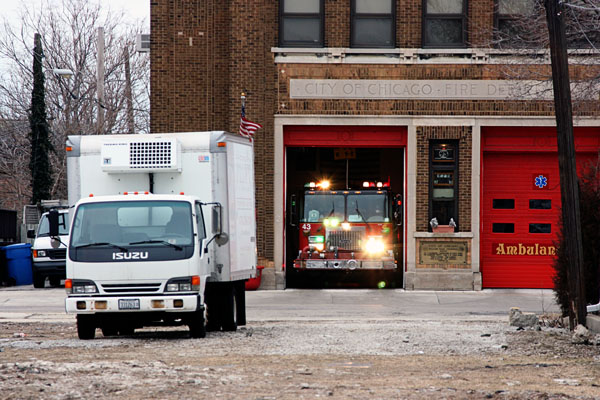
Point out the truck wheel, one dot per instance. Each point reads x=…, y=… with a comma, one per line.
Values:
x=197, y=327
x=126, y=331
x=54, y=281
x=86, y=326
x=240, y=303
x=39, y=281
x=229, y=309
x=109, y=330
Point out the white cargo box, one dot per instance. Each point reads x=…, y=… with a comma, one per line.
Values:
x=215, y=167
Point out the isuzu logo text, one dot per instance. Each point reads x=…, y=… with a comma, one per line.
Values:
x=134, y=255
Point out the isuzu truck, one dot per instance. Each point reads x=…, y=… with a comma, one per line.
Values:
x=163, y=231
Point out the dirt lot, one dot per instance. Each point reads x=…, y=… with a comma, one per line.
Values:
x=380, y=359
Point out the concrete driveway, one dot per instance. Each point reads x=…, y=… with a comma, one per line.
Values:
x=24, y=303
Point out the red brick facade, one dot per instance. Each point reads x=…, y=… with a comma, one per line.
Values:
x=205, y=53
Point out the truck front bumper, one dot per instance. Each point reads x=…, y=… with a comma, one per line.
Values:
x=50, y=268
x=345, y=264
x=78, y=304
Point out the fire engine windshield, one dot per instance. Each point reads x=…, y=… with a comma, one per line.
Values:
x=127, y=223
x=368, y=207
x=318, y=206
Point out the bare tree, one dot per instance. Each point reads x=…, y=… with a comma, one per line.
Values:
x=69, y=36
x=519, y=42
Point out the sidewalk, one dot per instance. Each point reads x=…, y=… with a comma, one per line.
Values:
x=25, y=304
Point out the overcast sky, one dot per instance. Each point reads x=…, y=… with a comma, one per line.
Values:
x=136, y=9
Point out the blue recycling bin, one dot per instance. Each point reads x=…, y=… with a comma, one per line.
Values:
x=18, y=263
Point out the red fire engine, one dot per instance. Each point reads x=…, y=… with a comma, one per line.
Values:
x=348, y=229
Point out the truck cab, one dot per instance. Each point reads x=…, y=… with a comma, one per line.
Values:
x=49, y=255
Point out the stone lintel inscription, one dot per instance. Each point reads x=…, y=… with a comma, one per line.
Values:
x=419, y=89
x=436, y=253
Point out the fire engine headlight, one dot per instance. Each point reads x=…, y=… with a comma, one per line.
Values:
x=346, y=226
x=374, y=245
x=317, y=241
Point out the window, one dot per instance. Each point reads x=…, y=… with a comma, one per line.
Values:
x=511, y=24
x=444, y=23
x=443, y=181
x=502, y=227
x=503, y=204
x=540, y=228
x=301, y=23
x=540, y=204
x=373, y=23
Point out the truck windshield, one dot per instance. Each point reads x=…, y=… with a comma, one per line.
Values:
x=63, y=225
x=151, y=223
x=318, y=206
x=371, y=207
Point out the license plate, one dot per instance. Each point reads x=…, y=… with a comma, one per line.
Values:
x=129, y=304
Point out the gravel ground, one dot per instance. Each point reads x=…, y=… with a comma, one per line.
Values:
x=378, y=359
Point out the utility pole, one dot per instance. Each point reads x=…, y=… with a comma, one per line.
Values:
x=128, y=94
x=569, y=187
x=100, y=78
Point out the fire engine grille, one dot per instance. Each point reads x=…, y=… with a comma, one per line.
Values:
x=131, y=288
x=57, y=254
x=151, y=155
x=347, y=240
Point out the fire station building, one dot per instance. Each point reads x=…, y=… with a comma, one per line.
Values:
x=410, y=92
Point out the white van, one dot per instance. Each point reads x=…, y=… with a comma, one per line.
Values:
x=48, y=261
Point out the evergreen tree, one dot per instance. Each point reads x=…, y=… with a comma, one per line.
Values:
x=39, y=164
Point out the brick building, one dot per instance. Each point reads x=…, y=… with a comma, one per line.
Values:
x=404, y=83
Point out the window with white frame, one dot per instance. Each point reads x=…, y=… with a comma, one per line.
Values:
x=373, y=23
x=301, y=23
x=444, y=23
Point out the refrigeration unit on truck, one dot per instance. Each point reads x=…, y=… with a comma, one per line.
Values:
x=348, y=229
x=162, y=231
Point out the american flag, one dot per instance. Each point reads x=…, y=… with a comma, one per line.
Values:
x=247, y=127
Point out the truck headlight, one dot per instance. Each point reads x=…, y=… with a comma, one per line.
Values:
x=75, y=286
x=39, y=253
x=184, y=284
x=374, y=245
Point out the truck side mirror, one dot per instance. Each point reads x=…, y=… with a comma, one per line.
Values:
x=293, y=210
x=398, y=209
x=30, y=234
x=53, y=222
x=216, y=219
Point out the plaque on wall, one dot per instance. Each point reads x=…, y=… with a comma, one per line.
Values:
x=443, y=154
x=449, y=253
x=443, y=178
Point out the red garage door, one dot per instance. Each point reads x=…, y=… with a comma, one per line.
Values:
x=521, y=204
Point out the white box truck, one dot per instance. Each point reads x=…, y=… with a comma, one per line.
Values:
x=163, y=231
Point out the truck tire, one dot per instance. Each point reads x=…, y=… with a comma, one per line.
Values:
x=197, y=327
x=213, y=307
x=229, y=315
x=240, y=303
x=109, y=330
x=39, y=280
x=54, y=281
x=86, y=326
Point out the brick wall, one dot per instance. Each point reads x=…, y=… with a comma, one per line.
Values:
x=203, y=55
x=464, y=137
